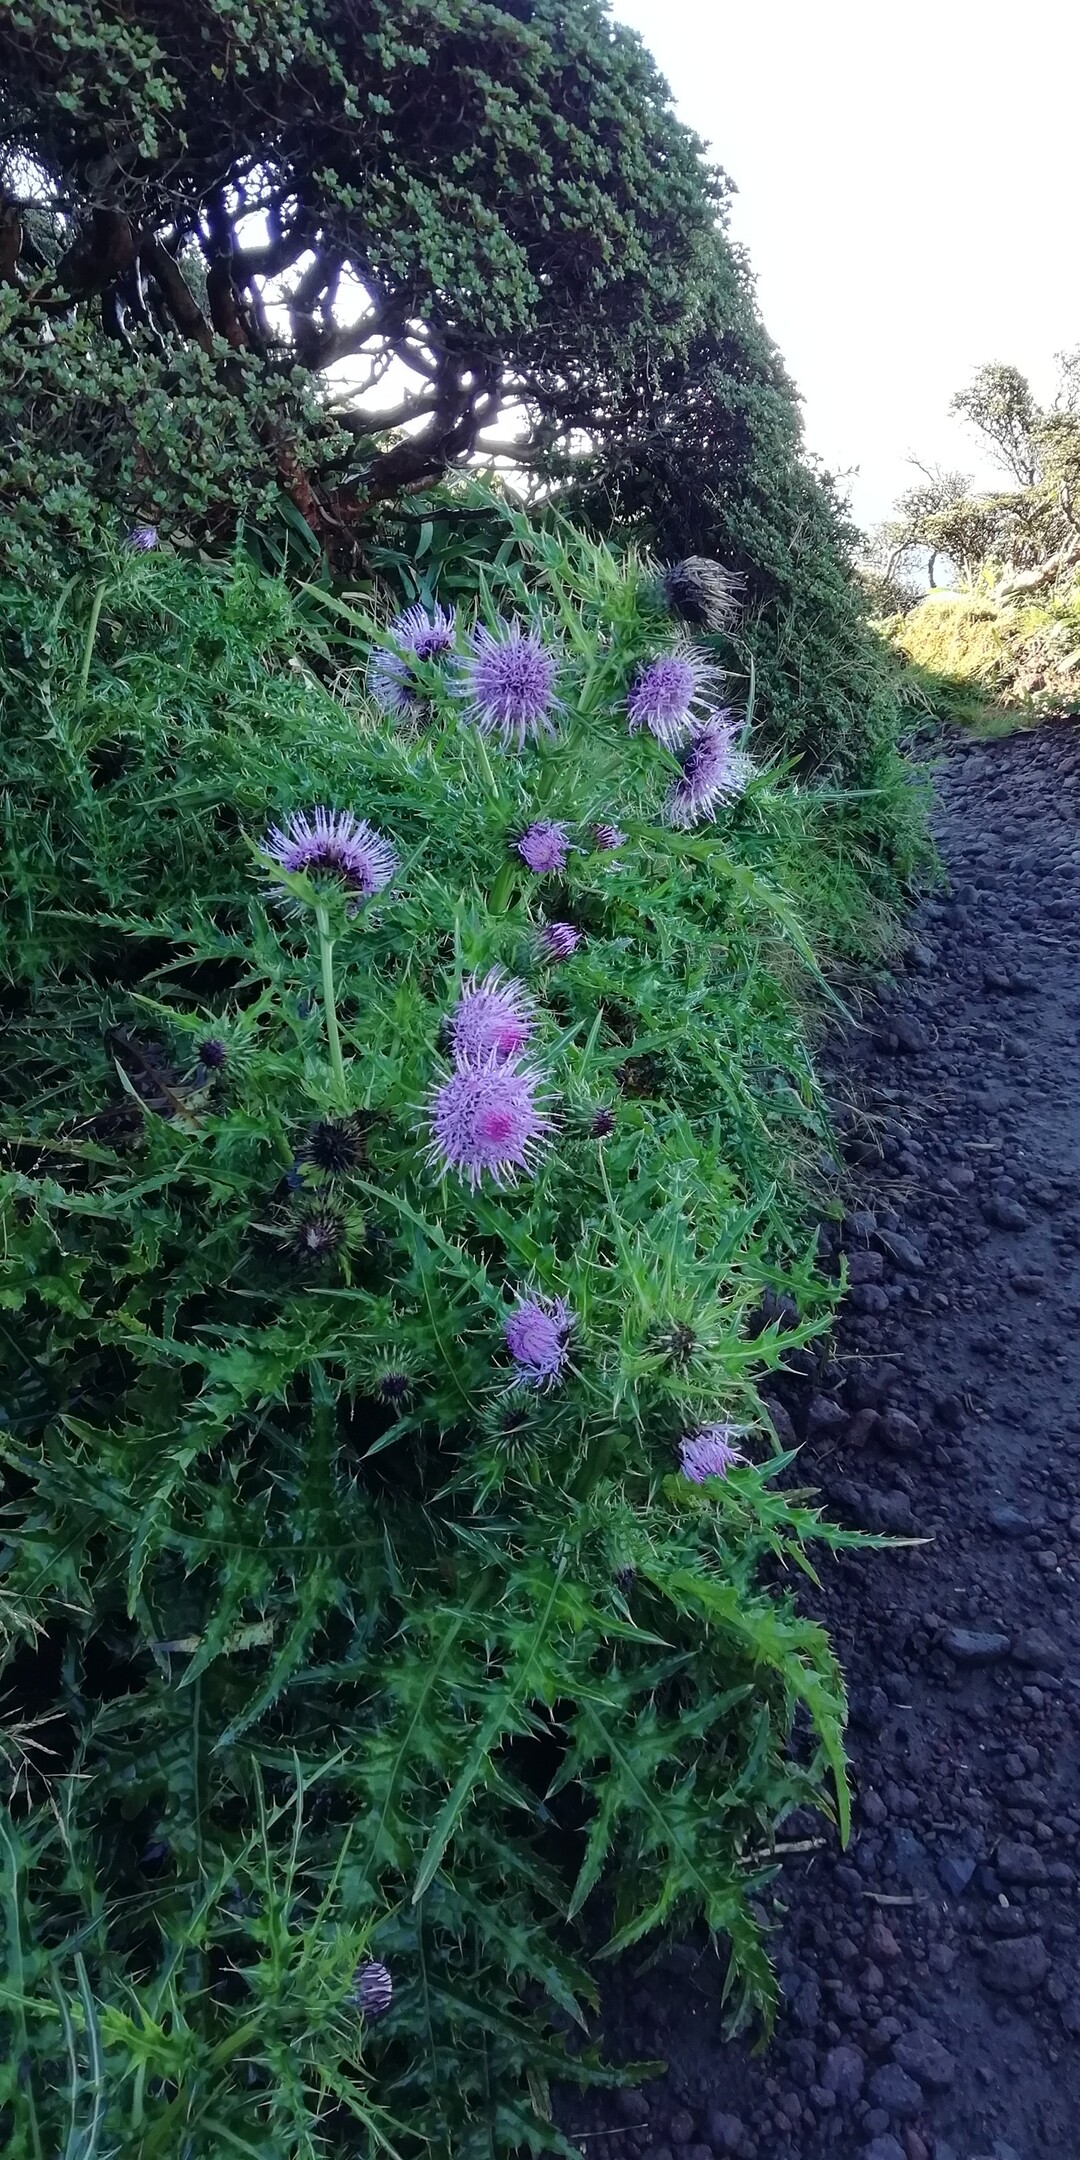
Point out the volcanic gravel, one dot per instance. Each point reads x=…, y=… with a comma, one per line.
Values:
x=930, y=1973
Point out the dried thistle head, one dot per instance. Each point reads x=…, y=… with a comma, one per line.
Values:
x=702, y=592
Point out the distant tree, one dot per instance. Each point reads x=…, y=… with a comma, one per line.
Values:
x=999, y=403
x=928, y=517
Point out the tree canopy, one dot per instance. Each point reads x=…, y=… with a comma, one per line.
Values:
x=496, y=197
x=1027, y=534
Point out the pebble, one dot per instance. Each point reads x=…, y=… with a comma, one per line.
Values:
x=926, y=2060
x=900, y=1433
x=1017, y=1863
x=1036, y=1648
x=1017, y=1967
x=1005, y=1214
x=844, y=2073
x=956, y=1871
x=893, y=2090
x=975, y=1646
x=902, y=1252
x=911, y=1036
x=726, y=2132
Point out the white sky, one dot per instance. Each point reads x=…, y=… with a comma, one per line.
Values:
x=909, y=195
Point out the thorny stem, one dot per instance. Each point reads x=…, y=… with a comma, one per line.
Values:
x=91, y=637
x=326, y=961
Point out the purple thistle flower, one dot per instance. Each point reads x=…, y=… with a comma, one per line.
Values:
x=536, y=1335
x=543, y=848
x=665, y=691
x=493, y=1018
x=334, y=845
x=714, y=771
x=213, y=1053
x=558, y=940
x=603, y=1122
x=709, y=1453
x=142, y=538
x=372, y=1989
x=608, y=837
x=391, y=676
x=508, y=683
x=486, y=1119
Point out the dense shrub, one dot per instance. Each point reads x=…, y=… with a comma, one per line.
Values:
x=209, y=207
x=496, y=197
x=337, y=1643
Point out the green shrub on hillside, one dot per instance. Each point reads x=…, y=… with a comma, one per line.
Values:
x=980, y=658
x=495, y=200
x=355, y=1646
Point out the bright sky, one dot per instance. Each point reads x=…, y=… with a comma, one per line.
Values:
x=909, y=195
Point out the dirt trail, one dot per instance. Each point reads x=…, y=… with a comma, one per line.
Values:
x=931, y=1974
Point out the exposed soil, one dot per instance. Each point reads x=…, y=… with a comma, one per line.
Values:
x=931, y=1973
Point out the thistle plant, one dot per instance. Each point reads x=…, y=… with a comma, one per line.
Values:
x=713, y=770
x=342, y=1413
x=667, y=691
x=507, y=683
x=710, y=1453
x=558, y=941
x=487, y=1119
x=544, y=846
x=417, y=634
x=537, y=1335
x=342, y=862
x=494, y=1016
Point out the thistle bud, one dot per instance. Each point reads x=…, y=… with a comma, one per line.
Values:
x=372, y=1990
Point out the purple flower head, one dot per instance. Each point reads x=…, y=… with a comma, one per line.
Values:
x=714, y=771
x=558, y=940
x=665, y=691
x=603, y=1122
x=395, y=1388
x=142, y=538
x=213, y=1053
x=487, y=1120
x=391, y=676
x=544, y=847
x=492, y=1018
x=333, y=846
x=508, y=682
x=536, y=1335
x=372, y=1989
x=709, y=1453
x=607, y=838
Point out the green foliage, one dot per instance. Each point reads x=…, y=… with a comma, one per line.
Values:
x=163, y=437
x=446, y=1673
x=497, y=197
x=710, y=462
x=983, y=661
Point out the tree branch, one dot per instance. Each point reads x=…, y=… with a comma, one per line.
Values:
x=182, y=304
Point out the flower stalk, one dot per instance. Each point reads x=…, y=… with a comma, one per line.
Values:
x=326, y=964
x=91, y=638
